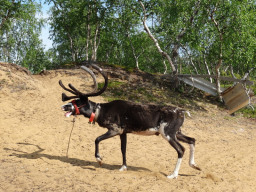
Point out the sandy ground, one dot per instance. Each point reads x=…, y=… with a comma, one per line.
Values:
x=34, y=137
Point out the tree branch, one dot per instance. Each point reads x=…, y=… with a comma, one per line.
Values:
x=5, y=18
x=154, y=39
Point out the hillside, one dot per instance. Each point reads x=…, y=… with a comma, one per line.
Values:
x=34, y=136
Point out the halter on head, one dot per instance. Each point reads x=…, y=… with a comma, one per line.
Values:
x=76, y=108
x=94, y=114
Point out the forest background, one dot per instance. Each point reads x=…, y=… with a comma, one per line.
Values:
x=157, y=36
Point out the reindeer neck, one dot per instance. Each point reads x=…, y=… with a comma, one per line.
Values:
x=94, y=111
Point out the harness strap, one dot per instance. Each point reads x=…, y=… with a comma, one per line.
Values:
x=76, y=108
x=92, y=117
x=94, y=114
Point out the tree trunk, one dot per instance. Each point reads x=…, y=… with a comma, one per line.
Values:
x=155, y=40
x=217, y=77
x=95, y=44
x=175, y=54
x=109, y=52
x=87, y=43
x=217, y=67
x=71, y=47
x=165, y=67
x=207, y=68
x=136, y=57
x=3, y=20
x=191, y=60
x=88, y=37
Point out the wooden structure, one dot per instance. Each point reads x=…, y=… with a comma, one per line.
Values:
x=244, y=81
x=201, y=84
x=235, y=97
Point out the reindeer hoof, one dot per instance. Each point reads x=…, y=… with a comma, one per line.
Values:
x=172, y=176
x=195, y=167
x=123, y=168
x=99, y=160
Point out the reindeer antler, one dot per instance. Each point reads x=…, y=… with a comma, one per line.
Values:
x=61, y=84
x=105, y=83
x=93, y=77
x=64, y=96
x=79, y=94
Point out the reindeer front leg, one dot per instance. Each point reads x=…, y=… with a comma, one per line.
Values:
x=110, y=133
x=123, y=138
x=180, y=150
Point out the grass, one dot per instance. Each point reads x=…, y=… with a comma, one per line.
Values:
x=248, y=111
x=150, y=92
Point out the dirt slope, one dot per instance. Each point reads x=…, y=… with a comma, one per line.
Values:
x=34, y=136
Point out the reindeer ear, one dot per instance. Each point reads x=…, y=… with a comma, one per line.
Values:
x=64, y=97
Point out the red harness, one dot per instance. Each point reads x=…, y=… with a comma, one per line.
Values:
x=76, y=108
x=78, y=112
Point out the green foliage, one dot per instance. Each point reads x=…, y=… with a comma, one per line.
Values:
x=248, y=112
x=111, y=84
x=19, y=32
x=112, y=31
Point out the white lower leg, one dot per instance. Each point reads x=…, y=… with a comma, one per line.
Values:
x=123, y=168
x=175, y=173
x=191, y=156
x=99, y=159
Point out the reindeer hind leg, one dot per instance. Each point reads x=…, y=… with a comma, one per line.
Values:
x=191, y=142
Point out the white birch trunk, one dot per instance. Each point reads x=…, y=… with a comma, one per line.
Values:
x=155, y=40
x=207, y=68
x=165, y=67
x=134, y=53
x=87, y=42
x=71, y=48
x=94, y=48
x=217, y=67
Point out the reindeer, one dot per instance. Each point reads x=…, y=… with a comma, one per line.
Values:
x=121, y=117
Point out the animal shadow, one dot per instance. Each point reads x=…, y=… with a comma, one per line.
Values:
x=37, y=154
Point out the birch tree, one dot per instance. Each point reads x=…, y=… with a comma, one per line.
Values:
x=19, y=34
x=146, y=28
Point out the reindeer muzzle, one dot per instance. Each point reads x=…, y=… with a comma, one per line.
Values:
x=69, y=108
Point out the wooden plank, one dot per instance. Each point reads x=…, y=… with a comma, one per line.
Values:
x=235, y=97
x=236, y=101
x=232, y=93
x=241, y=105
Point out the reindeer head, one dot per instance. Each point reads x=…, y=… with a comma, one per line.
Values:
x=80, y=103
